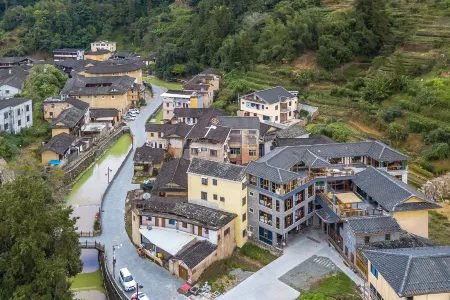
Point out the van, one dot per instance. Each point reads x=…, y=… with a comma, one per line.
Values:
x=127, y=280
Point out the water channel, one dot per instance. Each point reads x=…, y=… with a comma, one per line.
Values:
x=85, y=198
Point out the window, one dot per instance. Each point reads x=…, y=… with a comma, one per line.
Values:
x=18, y=111
x=28, y=118
x=409, y=298
x=5, y=115
x=214, y=196
x=6, y=91
x=134, y=218
x=244, y=233
x=244, y=201
x=252, y=152
x=227, y=231
x=252, y=179
x=290, y=103
x=212, y=152
x=288, y=204
x=244, y=217
x=51, y=114
x=250, y=228
x=367, y=239
x=277, y=205
x=204, y=149
x=214, y=181
x=204, y=181
x=251, y=210
x=277, y=223
x=103, y=97
x=184, y=225
x=311, y=190
x=265, y=235
x=276, y=118
x=388, y=237
x=19, y=123
x=152, y=134
x=251, y=194
x=6, y=126
x=265, y=201
x=172, y=222
x=252, y=132
x=235, y=151
x=27, y=108
x=222, y=199
x=167, y=104
x=194, y=151
x=374, y=271
x=276, y=107
x=149, y=218
x=204, y=195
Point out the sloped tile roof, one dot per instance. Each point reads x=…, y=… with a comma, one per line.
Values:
x=14, y=77
x=60, y=143
x=148, y=154
x=272, y=95
x=103, y=112
x=312, y=140
x=239, y=122
x=196, y=253
x=103, y=85
x=115, y=66
x=77, y=103
x=414, y=271
x=373, y=225
x=182, y=112
x=293, y=131
x=216, y=169
x=69, y=117
x=12, y=102
x=173, y=171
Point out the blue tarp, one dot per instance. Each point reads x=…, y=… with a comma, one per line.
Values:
x=54, y=162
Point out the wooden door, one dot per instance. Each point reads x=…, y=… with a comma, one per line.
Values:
x=200, y=231
x=156, y=222
x=182, y=272
x=163, y=222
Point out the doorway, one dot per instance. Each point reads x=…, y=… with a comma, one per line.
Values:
x=182, y=272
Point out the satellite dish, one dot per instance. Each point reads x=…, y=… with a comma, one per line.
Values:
x=146, y=196
x=215, y=121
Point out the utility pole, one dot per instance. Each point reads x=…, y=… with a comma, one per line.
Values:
x=114, y=256
x=109, y=170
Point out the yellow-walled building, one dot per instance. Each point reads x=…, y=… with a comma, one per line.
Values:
x=116, y=67
x=409, y=273
x=102, y=92
x=57, y=148
x=221, y=186
x=99, y=55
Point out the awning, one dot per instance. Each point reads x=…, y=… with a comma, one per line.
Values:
x=325, y=216
x=170, y=240
x=348, y=198
x=105, y=119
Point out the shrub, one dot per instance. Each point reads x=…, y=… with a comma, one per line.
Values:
x=426, y=165
x=439, y=135
x=414, y=107
x=437, y=151
x=420, y=171
x=396, y=132
x=417, y=125
x=390, y=115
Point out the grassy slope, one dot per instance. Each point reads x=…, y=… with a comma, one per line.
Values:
x=162, y=83
x=339, y=286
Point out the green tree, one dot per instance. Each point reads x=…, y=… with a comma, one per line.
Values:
x=44, y=81
x=39, y=245
x=396, y=132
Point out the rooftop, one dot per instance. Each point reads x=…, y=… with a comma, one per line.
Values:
x=115, y=66
x=239, y=122
x=187, y=212
x=148, y=154
x=103, y=112
x=170, y=240
x=14, y=77
x=16, y=59
x=103, y=85
x=216, y=169
x=270, y=96
x=181, y=112
x=172, y=175
x=394, y=192
x=373, y=225
x=98, y=52
x=414, y=271
x=170, y=130
x=77, y=103
x=293, y=131
x=196, y=253
x=12, y=102
x=311, y=140
x=68, y=117
x=60, y=143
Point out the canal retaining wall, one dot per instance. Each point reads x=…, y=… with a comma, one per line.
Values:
x=113, y=292
x=72, y=173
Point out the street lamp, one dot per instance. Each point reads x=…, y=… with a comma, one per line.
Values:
x=114, y=258
x=109, y=170
x=138, y=286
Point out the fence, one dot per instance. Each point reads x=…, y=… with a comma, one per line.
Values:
x=90, y=233
x=92, y=245
x=112, y=289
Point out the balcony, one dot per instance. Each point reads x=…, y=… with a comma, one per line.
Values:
x=345, y=208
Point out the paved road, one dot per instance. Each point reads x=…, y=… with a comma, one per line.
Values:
x=264, y=284
x=158, y=283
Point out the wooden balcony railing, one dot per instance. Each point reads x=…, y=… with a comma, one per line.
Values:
x=349, y=212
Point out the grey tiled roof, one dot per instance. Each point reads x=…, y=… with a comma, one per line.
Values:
x=208, y=217
x=172, y=172
x=103, y=112
x=414, y=271
x=15, y=59
x=12, y=102
x=218, y=134
x=216, y=169
x=98, y=52
x=69, y=117
x=182, y=112
x=115, y=66
x=210, y=71
x=387, y=190
x=77, y=103
x=293, y=131
x=272, y=95
x=239, y=122
x=103, y=85
x=15, y=79
x=60, y=143
x=148, y=154
x=75, y=64
x=196, y=253
x=179, y=129
x=312, y=140
x=373, y=225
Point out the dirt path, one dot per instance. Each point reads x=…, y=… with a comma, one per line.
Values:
x=365, y=129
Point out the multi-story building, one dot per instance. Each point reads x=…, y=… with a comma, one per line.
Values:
x=103, y=45
x=191, y=116
x=244, y=138
x=171, y=137
x=221, y=186
x=116, y=67
x=53, y=106
x=409, y=273
x=68, y=53
x=11, y=81
x=276, y=105
x=172, y=179
x=99, y=55
x=205, y=84
x=290, y=185
x=103, y=92
x=15, y=114
x=185, y=238
x=173, y=99
x=70, y=121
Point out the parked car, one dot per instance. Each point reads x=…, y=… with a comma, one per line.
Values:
x=129, y=118
x=133, y=110
x=139, y=296
x=126, y=280
x=147, y=185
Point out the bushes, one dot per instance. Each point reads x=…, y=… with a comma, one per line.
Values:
x=337, y=131
x=417, y=125
x=380, y=87
x=437, y=151
x=420, y=171
x=395, y=132
x=439, y=135
x=390, y=115
x=306, y=77
x=414, y=107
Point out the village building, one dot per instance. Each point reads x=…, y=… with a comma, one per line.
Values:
x=57, y=149
x=108, y=116
x=184, y=238
x=276, y=105
x=172, y=179
x=53, y=106
x=15, y=114
x=8, y=62
x=220, y=186
x=70, y=121
x=171, y=137
x=147, y=159
x=173, y=99
x=11, y=81
x=98, y=55
x=116, y=67
x=68, y=53
x=103, y=45
x=191, y=116
x=117, y=92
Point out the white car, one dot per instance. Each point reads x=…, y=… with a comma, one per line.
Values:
x=127, y=280
x=140, y=296
x=129, y=118
x=133, y=111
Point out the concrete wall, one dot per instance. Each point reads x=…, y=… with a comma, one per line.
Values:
x=56, y=131
x=206, y=154
x=9, y=91
x=47, y=156
x=12, y=116
x=107, y=101
x=135, y=74
x=232, y=192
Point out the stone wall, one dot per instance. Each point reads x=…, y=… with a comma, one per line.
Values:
x=72, y=173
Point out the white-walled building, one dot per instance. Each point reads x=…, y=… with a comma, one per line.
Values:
x=15, y=114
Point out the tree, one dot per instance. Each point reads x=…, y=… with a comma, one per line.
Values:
x=39, y=245
x=44, y=81
x=396, y=132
